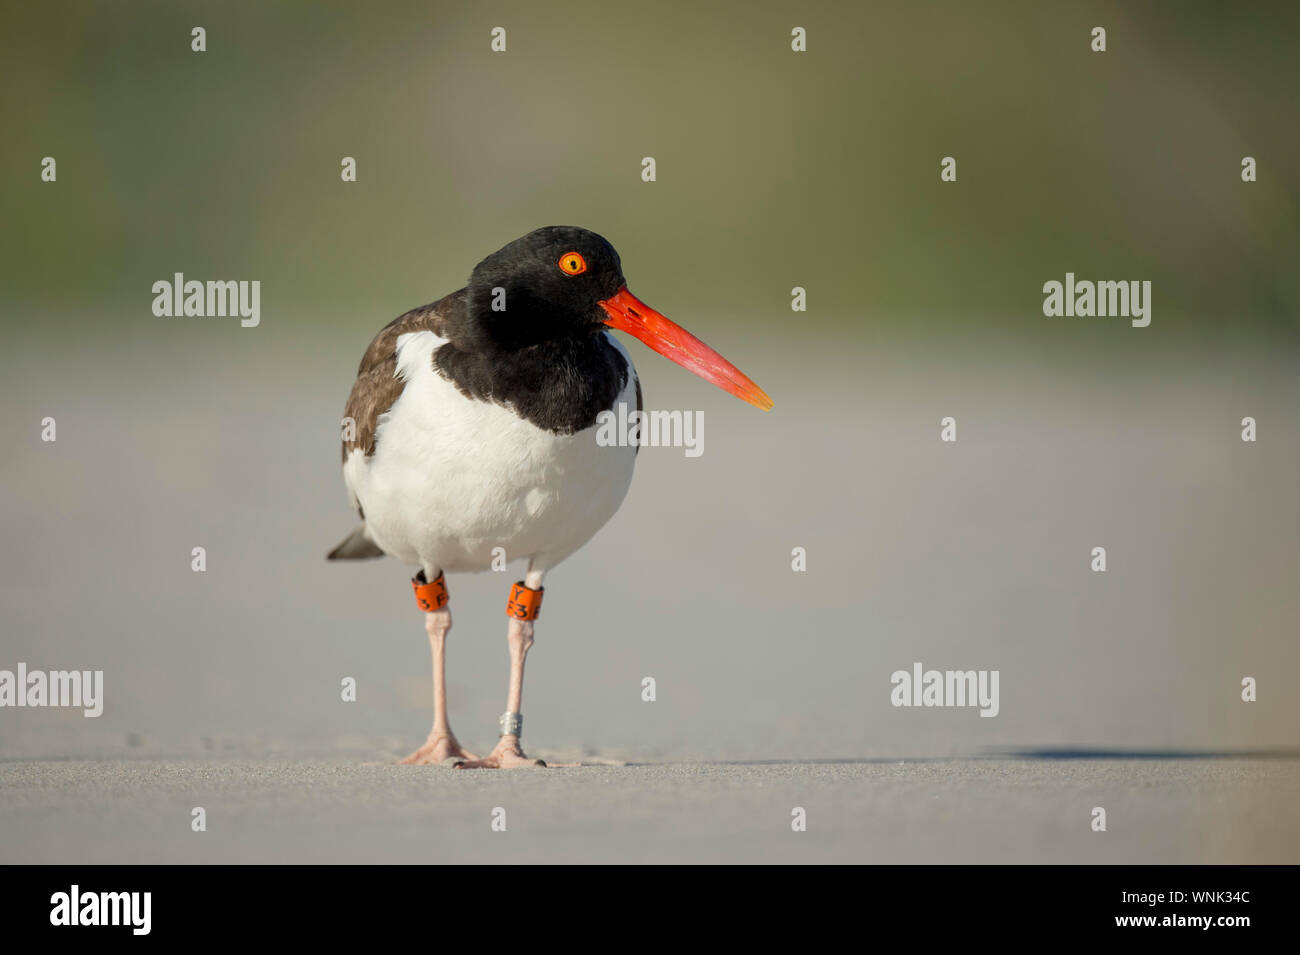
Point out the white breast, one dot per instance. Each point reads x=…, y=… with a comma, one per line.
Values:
x=453, y=478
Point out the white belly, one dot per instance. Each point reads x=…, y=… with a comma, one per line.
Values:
x=452, y=478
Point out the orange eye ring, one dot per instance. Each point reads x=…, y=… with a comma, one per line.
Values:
x=572, y=263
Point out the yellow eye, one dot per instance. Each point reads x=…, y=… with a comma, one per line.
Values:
x=572, y=263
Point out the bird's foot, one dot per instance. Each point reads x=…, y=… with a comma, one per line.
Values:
x=437, y=749
x=505, y=755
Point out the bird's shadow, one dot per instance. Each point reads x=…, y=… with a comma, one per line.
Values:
x=1032, y=753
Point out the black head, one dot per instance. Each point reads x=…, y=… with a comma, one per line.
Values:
x=544, y=286
x=532, y=330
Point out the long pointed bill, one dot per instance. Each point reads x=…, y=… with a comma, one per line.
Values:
x=629, y=314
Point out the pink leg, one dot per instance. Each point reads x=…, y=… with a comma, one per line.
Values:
x=441, y=745
x=507, y=754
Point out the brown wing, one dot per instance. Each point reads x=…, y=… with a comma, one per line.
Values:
x=377, y=385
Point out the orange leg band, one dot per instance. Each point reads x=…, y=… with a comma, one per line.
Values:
x=430, y=596
x=524, y=603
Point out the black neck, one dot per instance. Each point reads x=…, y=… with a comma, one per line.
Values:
x=558, y=385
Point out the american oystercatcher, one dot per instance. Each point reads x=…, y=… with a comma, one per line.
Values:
x=472, y=427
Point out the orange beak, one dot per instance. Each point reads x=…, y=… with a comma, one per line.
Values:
x=629, y=314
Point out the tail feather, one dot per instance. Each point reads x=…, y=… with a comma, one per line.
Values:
x=356, y=546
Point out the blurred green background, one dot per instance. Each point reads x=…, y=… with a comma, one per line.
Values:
x=775, y=169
